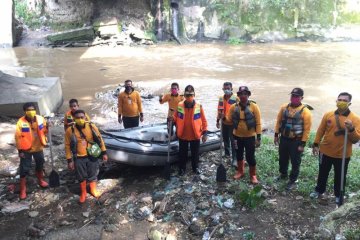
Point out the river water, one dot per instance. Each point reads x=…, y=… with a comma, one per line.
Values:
x=269, y=70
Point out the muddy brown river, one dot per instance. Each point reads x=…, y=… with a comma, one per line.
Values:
x=269, y=70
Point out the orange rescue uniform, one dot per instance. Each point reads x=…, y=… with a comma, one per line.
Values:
x=332, y=145
x=173, y=101
x=305, y=115
x=69, y=119
x=82, y=144
x=30, y=136
x=242, y=129
x=224, y=105
x=129, y=105
x=190, y=122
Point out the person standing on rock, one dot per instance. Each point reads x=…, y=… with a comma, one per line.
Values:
x=30, y=138
x=330, y=142
x=224, y=104
x=292, y=130
x=130, y=106
x=69, y=115
x=173, y=98
x=246, y=121
x=191, y=126
x=83, y=136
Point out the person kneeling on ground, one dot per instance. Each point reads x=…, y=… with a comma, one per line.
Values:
x=84, y=137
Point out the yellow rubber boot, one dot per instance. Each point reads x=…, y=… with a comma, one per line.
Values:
x=93, y=190
x=40, y=177
x=240, y=170
x=22, y=188
x=82, y=192
x=253, y=178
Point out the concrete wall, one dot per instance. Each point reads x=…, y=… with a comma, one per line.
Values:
x=46, y=93
x=6, y=20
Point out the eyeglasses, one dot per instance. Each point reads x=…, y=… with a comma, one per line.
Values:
x=188, y=95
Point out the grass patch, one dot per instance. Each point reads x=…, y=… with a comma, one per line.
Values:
x=267, y=159
x=235, y=41
x=352, y=234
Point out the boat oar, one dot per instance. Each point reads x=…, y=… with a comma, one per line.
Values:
x=342, y=192
x=221, y=171
x=54, y=178
x=167, y=167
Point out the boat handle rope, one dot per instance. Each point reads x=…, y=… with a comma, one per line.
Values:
x=142, y=142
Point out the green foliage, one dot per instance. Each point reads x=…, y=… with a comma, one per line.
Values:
x=248, y=235
x=31, y=19
x=353, y=18
x=235, y=41
x=58, y=27
x=268, y=168
x=281, y=15
x=352, y=234
x=251, y=198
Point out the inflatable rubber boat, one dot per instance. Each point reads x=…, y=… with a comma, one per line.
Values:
x=148, y=145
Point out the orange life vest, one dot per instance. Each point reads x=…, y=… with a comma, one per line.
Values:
x=69, y=117
x=226, y=104
x=196, y=120
x=25, y=133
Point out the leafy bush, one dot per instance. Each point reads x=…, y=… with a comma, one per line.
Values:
x=31, y=19
x=352, y=234
x=248, y=235
x=251, y=198
x=235, y=41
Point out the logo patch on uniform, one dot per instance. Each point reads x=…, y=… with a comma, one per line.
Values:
x=328, y=122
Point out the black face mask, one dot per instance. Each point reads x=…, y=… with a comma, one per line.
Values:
x=129, y=88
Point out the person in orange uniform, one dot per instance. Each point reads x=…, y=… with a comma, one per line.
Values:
x=224, y=105
x=173, y=98
x=130, y=106
x=86, y=166
x=69, y=115
x=330, y=141
x=30, y=138
x=293, y=124
x=246, y=120
x=191, y=126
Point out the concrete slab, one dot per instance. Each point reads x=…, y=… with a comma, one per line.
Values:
x=46, y=93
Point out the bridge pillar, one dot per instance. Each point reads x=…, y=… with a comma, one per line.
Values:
x=7, y=23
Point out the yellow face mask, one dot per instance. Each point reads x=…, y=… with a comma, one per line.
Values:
x=341, y=105
x=80, y=122
x=30, y=114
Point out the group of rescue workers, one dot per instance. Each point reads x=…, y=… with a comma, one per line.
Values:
x=238, y=117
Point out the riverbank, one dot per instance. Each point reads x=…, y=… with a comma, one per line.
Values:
x=138, y=204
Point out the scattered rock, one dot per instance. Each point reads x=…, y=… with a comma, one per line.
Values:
x=154, y=234
x=203, y=205
x=147, y=200
x=15, y=207
x=35, y=232
x=65, y=223
x=33, y=214
x=110, y=228
x=86, y=214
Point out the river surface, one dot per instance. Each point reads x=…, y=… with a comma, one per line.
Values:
x=270, y=71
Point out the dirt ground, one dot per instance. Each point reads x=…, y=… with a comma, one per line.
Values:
x=137, y=203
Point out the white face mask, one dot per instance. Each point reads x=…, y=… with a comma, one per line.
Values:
x=227, y=91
